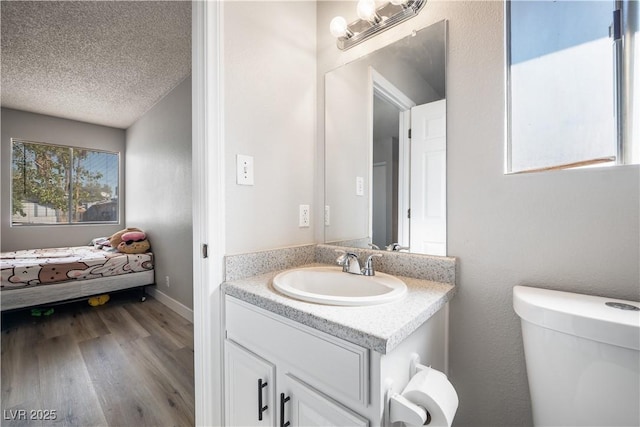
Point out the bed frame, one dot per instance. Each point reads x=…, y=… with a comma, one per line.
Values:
x=32, y=296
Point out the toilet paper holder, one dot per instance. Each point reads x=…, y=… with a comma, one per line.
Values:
x=400, y=408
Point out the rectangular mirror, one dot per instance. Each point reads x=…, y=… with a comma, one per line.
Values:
x=385, y=147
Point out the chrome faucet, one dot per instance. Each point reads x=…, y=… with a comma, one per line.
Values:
x=349, y=262
x=368, y=266
x=395, y=247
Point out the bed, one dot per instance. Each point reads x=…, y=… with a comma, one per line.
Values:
x=42, y=276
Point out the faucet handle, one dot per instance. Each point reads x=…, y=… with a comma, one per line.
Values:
x=368, y=266
x=343, y=255
x=345, y=261
x=342, y=259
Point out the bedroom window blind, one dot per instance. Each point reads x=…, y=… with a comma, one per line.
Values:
x=55, y=184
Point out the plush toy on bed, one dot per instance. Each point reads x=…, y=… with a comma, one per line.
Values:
x=134, y=242
x=116, y=238
x=131, y=240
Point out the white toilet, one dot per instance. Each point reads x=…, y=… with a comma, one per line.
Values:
x=583, y=357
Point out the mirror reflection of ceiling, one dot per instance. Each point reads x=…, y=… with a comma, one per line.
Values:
x=101, y=62
x=429, y=63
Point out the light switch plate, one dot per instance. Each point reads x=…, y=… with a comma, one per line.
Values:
x=359, y=186
x=244, y=169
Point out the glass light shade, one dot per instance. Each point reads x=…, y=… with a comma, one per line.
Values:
x=366, y=10
x=399, y=2
x=338, y=27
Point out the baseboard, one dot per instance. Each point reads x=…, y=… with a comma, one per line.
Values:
x=174, y=305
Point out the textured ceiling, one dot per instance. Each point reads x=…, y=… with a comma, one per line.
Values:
x=103, y=62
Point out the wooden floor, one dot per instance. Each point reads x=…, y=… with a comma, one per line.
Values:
x=125, y=363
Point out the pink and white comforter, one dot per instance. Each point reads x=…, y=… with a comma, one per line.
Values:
x=48, y=266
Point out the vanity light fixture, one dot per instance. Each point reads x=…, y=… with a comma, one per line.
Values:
x=339, y=27
x=372, y=20
x=366, y=10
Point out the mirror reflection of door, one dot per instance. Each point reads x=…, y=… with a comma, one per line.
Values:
x=425, y=166
x=390, y=192
x=429, y=178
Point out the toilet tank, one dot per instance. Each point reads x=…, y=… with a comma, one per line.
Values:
x=583, y=357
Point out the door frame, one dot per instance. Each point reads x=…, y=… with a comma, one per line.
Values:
x=208, y=208
x=374, y=185
x=383, y=88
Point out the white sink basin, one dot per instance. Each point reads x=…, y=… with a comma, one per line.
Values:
x=330, y=285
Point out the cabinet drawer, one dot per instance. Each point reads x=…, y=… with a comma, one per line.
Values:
x=334, y=366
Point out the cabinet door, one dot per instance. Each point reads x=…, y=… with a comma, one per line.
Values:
x=301, y=405
x=249, y=388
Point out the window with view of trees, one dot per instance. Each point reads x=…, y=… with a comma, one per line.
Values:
x=53, y=184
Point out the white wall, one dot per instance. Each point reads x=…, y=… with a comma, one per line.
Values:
x=54, y=130
x=347, y=151
x=158, y=197
x=571, y=230
x=270, y=106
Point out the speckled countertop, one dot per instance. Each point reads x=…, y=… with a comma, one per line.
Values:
x=380, y=327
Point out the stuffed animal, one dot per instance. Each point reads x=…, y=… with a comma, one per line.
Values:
x=131, y=240
x=116, y=238
x=99, y=300
x=134, y=242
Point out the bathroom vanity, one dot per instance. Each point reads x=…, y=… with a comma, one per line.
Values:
x=290, y=362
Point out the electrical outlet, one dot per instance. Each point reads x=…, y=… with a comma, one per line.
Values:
x=305, y=213
x=167, y=281
x=327, y=215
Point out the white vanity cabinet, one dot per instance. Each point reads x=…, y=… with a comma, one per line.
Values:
x=255, y=396
x=249, y=388
x=279, y=372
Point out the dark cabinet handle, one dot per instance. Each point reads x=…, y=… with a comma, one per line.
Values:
x=261, y=408
x=283, y=400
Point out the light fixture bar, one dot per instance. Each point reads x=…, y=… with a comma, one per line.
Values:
x=406, y=11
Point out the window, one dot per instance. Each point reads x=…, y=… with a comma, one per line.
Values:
x=54, y=184
x=570, y=82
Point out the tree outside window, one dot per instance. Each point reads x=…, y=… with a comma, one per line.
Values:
x=53, y=184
